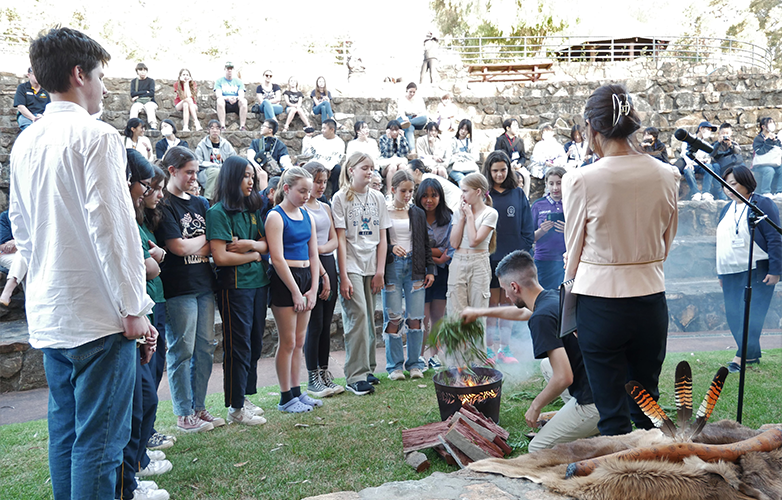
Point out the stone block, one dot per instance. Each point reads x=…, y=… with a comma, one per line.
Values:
x=10, y=364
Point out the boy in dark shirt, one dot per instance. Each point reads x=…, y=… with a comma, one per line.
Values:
x=562, y=364
x=142, y=94
x=653, y=146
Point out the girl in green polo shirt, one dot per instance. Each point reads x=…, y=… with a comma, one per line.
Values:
x=237, y=239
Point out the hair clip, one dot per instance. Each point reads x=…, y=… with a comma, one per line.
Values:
x=619, y=107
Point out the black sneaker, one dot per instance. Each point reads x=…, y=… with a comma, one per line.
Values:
x=372, y=379
x=360, y=388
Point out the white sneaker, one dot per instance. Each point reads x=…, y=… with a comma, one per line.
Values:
x=252, y=407
x=416, y=373
x=422, y=361
x=707, y=197
x=245, y=417
x=156, y=455
x=150, y=494
x=149, y=485
x=696, y=197
x=155, y=468
x=396, y=375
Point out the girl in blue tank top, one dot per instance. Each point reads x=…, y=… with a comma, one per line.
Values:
x=293, y=247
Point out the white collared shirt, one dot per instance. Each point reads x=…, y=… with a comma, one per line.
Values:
x=73, y=222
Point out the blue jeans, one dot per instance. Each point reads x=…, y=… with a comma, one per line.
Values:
x=190, y=335
x=399, y=286
x=689, y=176
x=416, y=123
x=23, y=122
x=733, y=293
x=324, y=109
x=90, y=395
x=457, y=176
x=551, y=273
x=765, y=174
x=270, y=111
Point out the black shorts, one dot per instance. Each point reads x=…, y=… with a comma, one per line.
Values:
x=231, y=108
x=278, y=290
x=495, y=283
x=440, y=286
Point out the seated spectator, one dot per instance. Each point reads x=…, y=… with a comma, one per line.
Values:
x=767, y=161
x=547, y=153
x=142, y=94
x=30, y=101
x=269, y=96
x=576, y=148
x=135, y=138
x=653, y=146
x=329, y=151
x=186, y=92
x=16, y=267
x=321, y=101
x=230, y=97
x=453, y=195
x=726, y=153
x=412, y=112
x=294, y=101
x=362, y=143
x=689, y=168
x=169, y=140
x=307, y=151
x=432, y=150
x=268, y=154
x=211, y=152
x=377, y=181
x=462, y=159
x=394, y=149
x=513, y=146
x=446, y=114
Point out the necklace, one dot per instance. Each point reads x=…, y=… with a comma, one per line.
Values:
x=392, y=206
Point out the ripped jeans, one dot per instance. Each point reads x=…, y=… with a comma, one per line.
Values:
x=399, y=286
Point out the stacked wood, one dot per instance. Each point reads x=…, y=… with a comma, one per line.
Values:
x=468, y=435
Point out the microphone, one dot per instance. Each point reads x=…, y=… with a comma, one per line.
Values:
x=695, y=143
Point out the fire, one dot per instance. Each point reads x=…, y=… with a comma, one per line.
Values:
x=472, y=399
x=467, y=379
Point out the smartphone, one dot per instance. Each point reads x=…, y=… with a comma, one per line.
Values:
x=559, y=216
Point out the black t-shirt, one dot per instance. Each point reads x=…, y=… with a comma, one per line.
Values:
x=293, y=97
x=267, y=94
x=186, y=219
x=544, y=330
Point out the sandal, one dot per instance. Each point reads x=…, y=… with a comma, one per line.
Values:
x=307, y=400
x=294, y=406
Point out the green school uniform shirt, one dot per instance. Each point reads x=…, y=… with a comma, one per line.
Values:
x=155, y=285
x=244, y=225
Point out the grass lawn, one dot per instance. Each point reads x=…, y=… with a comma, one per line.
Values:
x=351, y=442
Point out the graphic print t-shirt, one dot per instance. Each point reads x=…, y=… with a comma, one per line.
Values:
x=191, y=274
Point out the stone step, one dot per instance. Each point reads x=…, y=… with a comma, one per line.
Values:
x=692, y=257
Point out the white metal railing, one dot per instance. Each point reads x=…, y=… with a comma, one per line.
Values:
x=697, y=50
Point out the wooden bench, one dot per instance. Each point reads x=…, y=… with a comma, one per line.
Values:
x=509, y=72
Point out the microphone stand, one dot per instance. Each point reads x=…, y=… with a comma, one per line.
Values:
x=755, y=216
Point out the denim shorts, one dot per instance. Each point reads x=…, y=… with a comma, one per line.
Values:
x=278, y=290
x=440, y=286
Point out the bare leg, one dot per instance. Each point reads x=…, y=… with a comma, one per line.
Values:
x=8, y=291
x=302, y=320
x=285, y=318
x=185, y=115
x=220, y=108
x=242, y=112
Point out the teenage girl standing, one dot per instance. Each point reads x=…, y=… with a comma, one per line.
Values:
x=188, y=284
x=318, y=341
x=237, y=240
x=293, y=247
x=431, y=198
x=473, y=236
x=514, y=223
x=409, y=271
x=361, y=220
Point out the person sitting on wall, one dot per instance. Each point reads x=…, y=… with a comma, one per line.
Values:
x=432, y=150
x=211, y=152
x=142, y=94
x=653, y=146
x=576, y=148
x=547, y=153
x=412, y=112
x=269, y=96
x=30, y=101
x=561, y=362
x=230, y=97
x=394, y=149
x=169, y=139
x=268, y=154
x=726, y=153
x=511, y=143
x=689, y=168
x=329, y=151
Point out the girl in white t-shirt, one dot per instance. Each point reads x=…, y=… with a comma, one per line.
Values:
x=474, y=238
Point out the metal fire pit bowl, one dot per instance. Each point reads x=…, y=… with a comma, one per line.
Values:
x=485, y=397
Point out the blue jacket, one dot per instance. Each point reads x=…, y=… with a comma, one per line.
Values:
x=766, y=236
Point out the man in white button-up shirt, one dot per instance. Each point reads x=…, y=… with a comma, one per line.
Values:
x=86, y=300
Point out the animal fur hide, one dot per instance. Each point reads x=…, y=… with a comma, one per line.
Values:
x=754, y=475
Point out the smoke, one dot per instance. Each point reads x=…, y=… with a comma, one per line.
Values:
x=516, y=335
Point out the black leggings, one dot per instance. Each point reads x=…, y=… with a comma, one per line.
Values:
x=318, y=340
x=622, y=339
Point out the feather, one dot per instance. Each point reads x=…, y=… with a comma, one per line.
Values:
x=650, y=408
x=707, y=406
x=683, y=390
